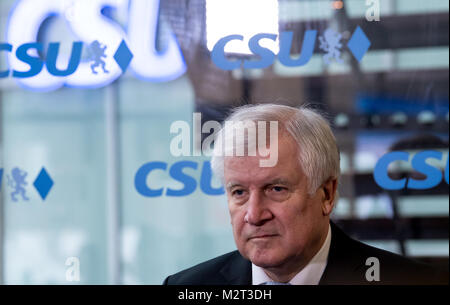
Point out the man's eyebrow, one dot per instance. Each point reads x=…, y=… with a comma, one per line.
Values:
x=232, y=184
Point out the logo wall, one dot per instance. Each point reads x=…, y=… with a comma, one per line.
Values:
x=111, y=48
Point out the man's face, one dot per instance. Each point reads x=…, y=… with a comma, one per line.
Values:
x=275, y=221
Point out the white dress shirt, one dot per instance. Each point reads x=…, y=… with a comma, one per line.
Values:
x=309, y=275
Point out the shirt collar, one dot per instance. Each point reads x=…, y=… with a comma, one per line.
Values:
x=309, y=275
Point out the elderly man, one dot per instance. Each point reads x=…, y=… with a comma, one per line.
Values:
x=280, y=214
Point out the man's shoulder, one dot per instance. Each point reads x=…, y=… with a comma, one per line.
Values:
x=211, y=272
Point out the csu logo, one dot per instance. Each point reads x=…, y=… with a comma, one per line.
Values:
x=122, y=57
x=111, y=48
x=330, y=42
x=176, y=172
x=418, y=163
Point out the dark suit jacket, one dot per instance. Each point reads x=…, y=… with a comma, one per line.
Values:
x=346, y=265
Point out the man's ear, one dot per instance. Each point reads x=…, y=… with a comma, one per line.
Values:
x=329, y=190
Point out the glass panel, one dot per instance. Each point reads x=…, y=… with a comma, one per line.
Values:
x=64, y=134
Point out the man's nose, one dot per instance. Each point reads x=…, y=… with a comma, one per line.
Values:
x=257, y=211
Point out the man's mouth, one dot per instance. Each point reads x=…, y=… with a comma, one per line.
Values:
x=263, y=236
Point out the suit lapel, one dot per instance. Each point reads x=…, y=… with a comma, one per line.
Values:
x=343, y=267
x=237, y=270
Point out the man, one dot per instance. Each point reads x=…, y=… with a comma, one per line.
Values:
x=280, y=214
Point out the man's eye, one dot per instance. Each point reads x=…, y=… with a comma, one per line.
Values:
x=277, y=193
x=278, y=189
x=238, y=192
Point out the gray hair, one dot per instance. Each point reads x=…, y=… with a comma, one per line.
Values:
x=318, y=150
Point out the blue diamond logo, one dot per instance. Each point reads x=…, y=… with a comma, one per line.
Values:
x=123, y=56
x=359, y=44
x=43, y=183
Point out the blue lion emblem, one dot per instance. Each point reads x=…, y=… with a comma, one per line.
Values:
x=17, y=183
x=330, y=42
x=96, y=55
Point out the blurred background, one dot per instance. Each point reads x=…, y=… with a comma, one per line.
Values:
x=78, y=149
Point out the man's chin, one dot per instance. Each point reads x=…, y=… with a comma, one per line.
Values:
x=265, y=259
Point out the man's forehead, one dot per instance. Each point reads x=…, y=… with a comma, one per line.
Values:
x=285, y=145
x=287, y=153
